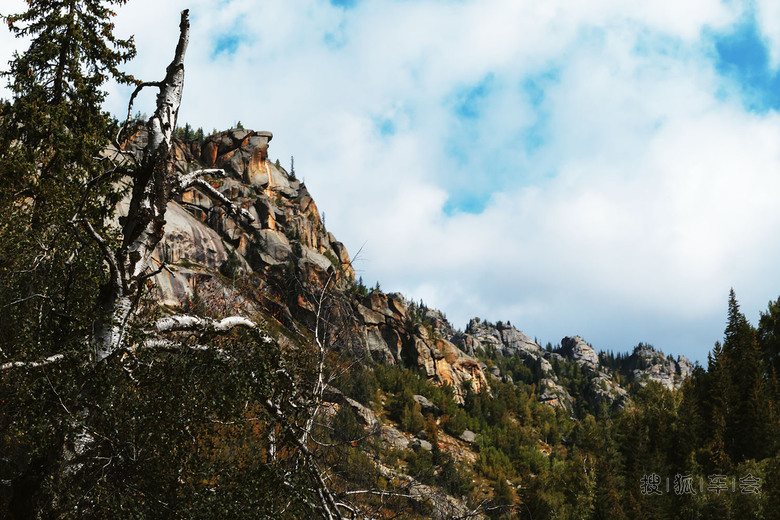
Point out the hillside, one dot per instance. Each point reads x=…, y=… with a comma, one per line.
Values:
x=275, y=265
x=287, y=242
x=405, y=414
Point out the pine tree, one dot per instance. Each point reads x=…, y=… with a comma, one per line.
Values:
x=55, y=127
x=744, y=390
x=51, y=132
x=769, y=342
x=717, y=408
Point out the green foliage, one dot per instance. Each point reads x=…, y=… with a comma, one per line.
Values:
x=188, y=134
x=232, y=266
x=190, y=436
x=411, y=418
x=359, y=288
x=359, y=383
x=456, y=479
x=50, y=132
x=345, y=426
x=419, y=464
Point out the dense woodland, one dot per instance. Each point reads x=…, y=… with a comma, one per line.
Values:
x=228, y=429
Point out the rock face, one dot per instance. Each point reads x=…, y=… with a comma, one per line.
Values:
x=506, y=339
x=604, y=391
x=286, y=253
x=646, y=364
x=396, y=331
x=583, y=354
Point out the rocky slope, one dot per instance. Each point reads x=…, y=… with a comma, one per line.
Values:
x=286, y=253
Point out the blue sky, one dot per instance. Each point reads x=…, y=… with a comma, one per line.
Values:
x=609, y=168
x=744, y=58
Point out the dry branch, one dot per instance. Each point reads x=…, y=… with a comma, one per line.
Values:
x=33, y=364
x=195, y=323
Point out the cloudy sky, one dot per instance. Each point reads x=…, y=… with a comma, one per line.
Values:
x=608, y=168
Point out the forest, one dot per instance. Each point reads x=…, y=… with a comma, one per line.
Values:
x=114, y=407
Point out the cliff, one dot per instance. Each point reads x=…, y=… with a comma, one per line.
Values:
x=285, y=255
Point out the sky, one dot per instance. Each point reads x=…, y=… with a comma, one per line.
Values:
x=608, y=168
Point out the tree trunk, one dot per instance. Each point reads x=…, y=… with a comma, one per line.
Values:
x=144, y=226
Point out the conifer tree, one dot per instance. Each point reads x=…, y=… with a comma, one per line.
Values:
x=717, y=406
x=55, y=128
x=769, y=341
x=52, y=133
x=744, y=390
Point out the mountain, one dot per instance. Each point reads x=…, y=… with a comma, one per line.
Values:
x=206, y=249
x=286, y=251
x=209, y=353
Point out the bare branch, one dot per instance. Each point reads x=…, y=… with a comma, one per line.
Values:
x=214, y=194
x=186, y=180
x=162, y=267
x=16, y=302
x=327, y=502
x=33, y=364
x=173, y=346
x=135, y=93
x=195, y=323
x=108, y=255
x=91, y=184
x=382, y=493
x=319, y=386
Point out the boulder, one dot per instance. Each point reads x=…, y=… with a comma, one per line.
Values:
x=393, y=437
x=273, y=246
x=426, y=406
x=468, y=436
x=418, y=443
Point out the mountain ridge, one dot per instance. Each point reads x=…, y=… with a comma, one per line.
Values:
x=287, y=243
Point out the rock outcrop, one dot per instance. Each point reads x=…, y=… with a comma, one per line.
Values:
x=395, y=331
x=285, y=252
x=583, y=354
x=647, y=364
x=502, y=337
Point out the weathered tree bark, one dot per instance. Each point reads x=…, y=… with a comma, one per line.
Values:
x=155, y=182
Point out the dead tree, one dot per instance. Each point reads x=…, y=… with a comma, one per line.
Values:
x=155, y=182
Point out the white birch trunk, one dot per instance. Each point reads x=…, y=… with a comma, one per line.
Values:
x=155, y=181
x=143, y=228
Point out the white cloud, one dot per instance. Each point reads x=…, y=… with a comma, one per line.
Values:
x=768, y=18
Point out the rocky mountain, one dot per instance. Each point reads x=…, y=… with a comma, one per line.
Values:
x=647, y=364
x=286, y=251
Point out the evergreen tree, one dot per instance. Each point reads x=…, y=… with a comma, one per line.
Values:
x=769, y=342
x=54, y=128
x=51, y=132
x=717, y=407
x=745, y=391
